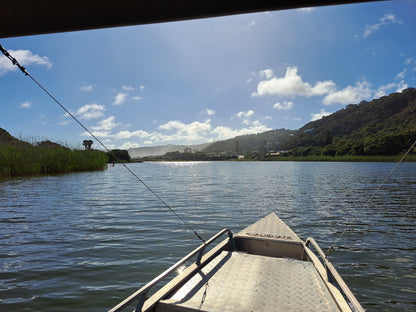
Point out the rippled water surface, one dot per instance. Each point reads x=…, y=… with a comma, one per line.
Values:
x=85, y=241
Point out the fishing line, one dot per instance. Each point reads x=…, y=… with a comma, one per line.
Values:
x=15, y=62
x=370, y=199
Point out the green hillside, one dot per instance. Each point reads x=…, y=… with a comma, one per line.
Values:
x=261, y=142
x=384, y=126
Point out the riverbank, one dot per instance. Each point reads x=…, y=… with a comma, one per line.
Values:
x=396, y=158
x=33, y=160
x=409, y=158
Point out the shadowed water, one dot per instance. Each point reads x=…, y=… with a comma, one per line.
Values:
x=85, y=241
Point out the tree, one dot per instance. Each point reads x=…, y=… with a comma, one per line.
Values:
x=87, y=144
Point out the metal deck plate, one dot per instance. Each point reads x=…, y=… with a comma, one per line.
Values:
x=241, y=282
x=270, y=228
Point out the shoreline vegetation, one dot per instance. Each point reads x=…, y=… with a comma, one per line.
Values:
x=26, y=160
x=345, y=158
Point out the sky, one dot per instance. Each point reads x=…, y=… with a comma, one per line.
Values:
x=205, y=80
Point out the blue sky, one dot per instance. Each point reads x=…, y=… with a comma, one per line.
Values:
x=211, y=79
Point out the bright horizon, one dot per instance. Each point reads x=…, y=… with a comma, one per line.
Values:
x=204, y=80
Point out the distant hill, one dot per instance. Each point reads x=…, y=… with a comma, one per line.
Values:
x=384, y=126
x=261, y=142
x=147, y=151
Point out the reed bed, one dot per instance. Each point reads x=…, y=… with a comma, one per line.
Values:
x=32, y=160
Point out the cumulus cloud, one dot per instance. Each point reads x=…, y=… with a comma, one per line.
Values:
x=26, y=104
x=25, y=58
x=107, y=124
x=319, y=115
x=385, y=20
x=87, y=88
x=90, y=111
x=245, y=117
x=193, y=129
x=131, y=134
x=128, y=145
x=350, y=94
x=120, y=98
x=175, y=132
x=292, y=84
x=285, y=106
x=224, y=133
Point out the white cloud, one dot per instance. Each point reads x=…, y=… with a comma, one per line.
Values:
x=250, y=25
x=131, y=134
x=25, y=58
x=319, y=115
x=128, y=145
x=137, y=98
x=106, y=124
x=224, y=133
x=141, y=88
x=127, y=88
x=401, y=86
x=26, y=104
x=292, y=84
x=285, y=106
x=192, y=129
x=90, y=111
x=349, y=95
x=87, y=88
x=382, y=91
x=306, y=10
x=209, y=112
x=120, y=98
x=266, y=73
x=401, y=74
x=385, y=20
x=409, y=61
x=244, y=115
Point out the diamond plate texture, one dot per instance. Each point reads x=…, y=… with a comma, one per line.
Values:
x=270, y=228
x=242, y=282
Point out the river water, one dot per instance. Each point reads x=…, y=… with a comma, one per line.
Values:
x=84, y=241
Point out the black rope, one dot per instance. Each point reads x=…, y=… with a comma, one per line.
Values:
x=15, y=62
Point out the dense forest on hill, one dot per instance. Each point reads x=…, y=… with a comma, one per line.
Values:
x=384, y=126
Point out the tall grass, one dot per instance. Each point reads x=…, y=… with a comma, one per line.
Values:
x=31, y=160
